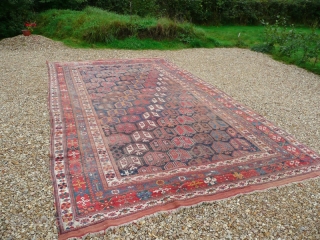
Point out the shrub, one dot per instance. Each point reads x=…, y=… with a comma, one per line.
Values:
x=41, y=5
x=133, y=7
x=13, y=14
x=94, y=25
x=263, y=48
x=286, y=41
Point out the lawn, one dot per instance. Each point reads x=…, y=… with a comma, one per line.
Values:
x=231, y=36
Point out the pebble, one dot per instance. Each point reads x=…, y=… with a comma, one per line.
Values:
x=284, y=94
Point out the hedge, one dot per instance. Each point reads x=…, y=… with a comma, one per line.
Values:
x=207, y=12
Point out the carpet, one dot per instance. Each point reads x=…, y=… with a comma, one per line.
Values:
x=130, y=138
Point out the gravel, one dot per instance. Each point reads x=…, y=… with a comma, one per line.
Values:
x=285, y=94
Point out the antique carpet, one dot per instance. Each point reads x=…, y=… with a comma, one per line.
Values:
x=131, y=138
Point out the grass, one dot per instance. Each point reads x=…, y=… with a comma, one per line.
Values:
x=227, y=36
x=250, y=36
x=95, y=28
x=130, y=43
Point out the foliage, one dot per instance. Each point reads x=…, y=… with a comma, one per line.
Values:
x=306, y=56
x=288, y=43
x=240, y=43
x=216, y=11
x=96, y=28
x=263, y=48
x=13, y=14
x=231, y=36
x=93, y=25
x=41, y=5
x=30, y=26
x=132, y=7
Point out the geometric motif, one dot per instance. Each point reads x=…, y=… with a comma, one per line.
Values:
x=142, y=136
x=135, y=149
x=130, y=162
x=183, y=142
x=167, y=122
x=156, y=158
x=186, y=130
x=203, y=138
x=134, y=137
x=185, y=119
x=161, y=145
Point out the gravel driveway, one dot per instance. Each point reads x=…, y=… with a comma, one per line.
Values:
x=284, y=94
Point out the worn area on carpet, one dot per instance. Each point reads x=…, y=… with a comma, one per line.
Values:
x=134, y=137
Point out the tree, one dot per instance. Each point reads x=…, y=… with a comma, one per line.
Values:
x=13, y=13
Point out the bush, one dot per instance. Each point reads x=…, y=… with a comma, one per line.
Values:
x=286, y=42
x=41, y=5
x=133, y=7
x=94, y=25
x=263, y=48
x=240, y=12
x=13, y=14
